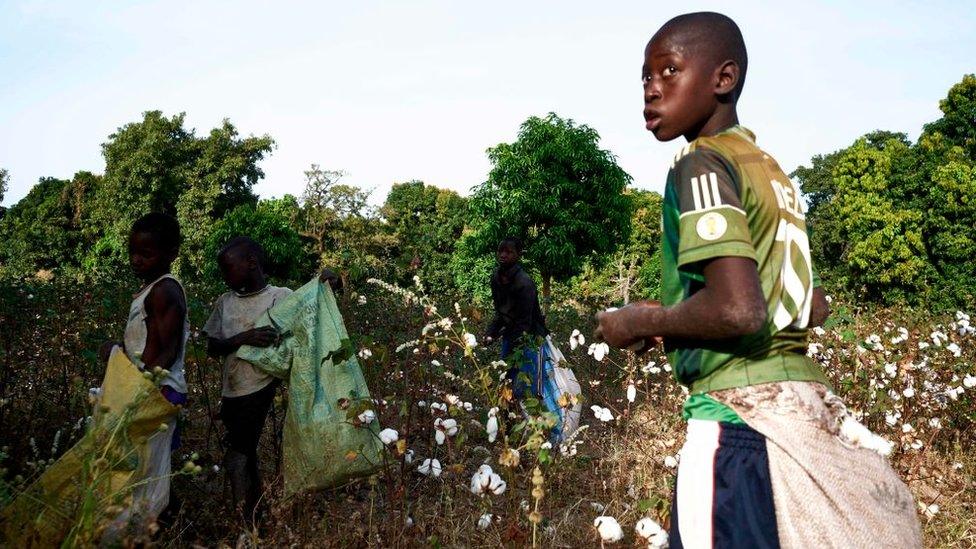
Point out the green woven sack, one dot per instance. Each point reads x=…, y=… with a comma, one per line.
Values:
x=322, y=448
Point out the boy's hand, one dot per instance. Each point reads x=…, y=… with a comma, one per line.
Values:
x=105, y=351
x=328, y=276
x=616, y=327
x=259, y=337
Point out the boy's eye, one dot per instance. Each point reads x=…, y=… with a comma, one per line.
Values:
x=670, y=70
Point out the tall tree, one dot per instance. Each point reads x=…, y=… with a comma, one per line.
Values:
x=42, y=232
x=634, y=270
x=343, y=230
x=425, y=223
x=158, y=165
x=893, y=220
x=4, y=180
x=559, y=192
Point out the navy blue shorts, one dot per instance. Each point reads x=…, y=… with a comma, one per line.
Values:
x=724, y=497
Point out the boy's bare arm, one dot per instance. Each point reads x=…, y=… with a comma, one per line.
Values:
x=730, y=305
x=165, y=313
x=819, y=309
x=257, y=337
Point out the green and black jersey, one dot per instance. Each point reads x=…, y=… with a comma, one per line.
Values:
x=726, y=197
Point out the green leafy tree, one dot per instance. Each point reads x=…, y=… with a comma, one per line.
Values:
x=633, y=271
x=958, y=122
x=425, y=223
x=555, y=189
x=893, y=220
x=4, y=181
x=343, y=231
x=288, y=261
x=157, y=165
x=42, y=232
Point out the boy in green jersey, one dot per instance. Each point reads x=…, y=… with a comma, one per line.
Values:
x=739, y=293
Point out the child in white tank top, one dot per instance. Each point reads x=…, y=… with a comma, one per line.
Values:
x=155, y=337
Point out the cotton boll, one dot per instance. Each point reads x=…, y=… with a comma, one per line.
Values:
x=608, y=528
x=631, y=393
x=430, y=467
x=389, y=436
x=485, y=521
x=366, y=417
x=601, y=413
x=492, y=424
x=651, y=531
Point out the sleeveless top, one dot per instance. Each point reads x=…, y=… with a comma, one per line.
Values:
x=136, y=333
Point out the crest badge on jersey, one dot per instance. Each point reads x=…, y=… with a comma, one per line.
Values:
x=711, y=226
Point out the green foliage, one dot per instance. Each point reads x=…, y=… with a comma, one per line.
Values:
x=157, y=165
x=287, y=258
x=958, y=122
x=892, y=221
x=634, y=271
x=425, y=223
x=42, y=232
x=4, y=181
x=557, y=191
x=342, y=230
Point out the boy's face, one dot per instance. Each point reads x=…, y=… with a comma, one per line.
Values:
x=679, y=88
x=235, y=268
x=146, y=258
x=507, y=255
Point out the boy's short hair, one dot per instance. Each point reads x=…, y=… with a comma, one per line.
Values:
x=711, y=34
x=164, y=229
x=249, y=246
x=515, y=243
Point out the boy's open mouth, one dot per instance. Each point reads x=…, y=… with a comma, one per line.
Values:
x=652, y=120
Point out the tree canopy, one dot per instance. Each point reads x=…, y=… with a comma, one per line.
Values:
x=892, y=220
x=556, y=190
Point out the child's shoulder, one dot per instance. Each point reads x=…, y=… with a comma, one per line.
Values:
x=727, y=148
x=166, y=290
x=280, y=291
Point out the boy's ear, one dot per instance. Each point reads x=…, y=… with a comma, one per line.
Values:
x=727, y=78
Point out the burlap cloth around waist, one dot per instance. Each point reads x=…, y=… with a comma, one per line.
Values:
x=827, y=491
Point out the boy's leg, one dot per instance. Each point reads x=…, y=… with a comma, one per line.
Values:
x=244, y=418
x=724, y=497
x=262, y=405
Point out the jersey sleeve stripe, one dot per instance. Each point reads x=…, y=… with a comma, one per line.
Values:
x=707, y=198
x=696, y=193
x=713, y=179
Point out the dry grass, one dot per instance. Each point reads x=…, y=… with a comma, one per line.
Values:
x=620, y=467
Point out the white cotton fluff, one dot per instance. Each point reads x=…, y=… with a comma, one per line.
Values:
x=366, y=417
x=485, y=481
x=430, y=467
x=601, y=413
x=492, y=424
x=485, y=521
x=389, y=436
x=651, y=531
x=444, y=428
x=598, y=351
x=608, y=528
x=859, y=435
x=631, y=393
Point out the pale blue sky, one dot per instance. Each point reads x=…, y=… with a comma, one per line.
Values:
x=418, y=90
